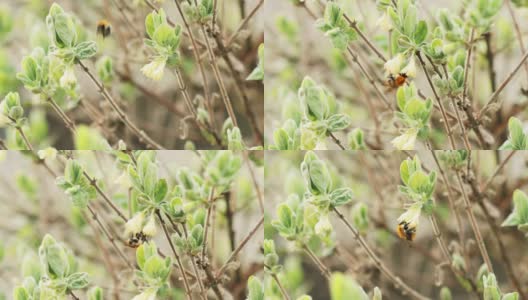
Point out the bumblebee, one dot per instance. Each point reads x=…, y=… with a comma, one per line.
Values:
x=405, y=231
x=104, y=28
x=136, y=240
x=396, y=81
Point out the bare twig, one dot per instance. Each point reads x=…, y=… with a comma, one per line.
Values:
x=122, y=116
x=178, y=260
x=494, y=97
x=439, y=101
x=379, y=264
x=239, y=247
x=474, y=226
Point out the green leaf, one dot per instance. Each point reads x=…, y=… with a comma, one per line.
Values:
x=73, y=171
x=341, y=196
x=519, y=215
x=20, y=293
x=140, y=256
x=95, y=293
x=160, y=191
x=409, y=23
x=77, y=281
x=154, y=267
x=517, y=136
x=258, y=72
x=344, y=287
x=491, y=289
x=280, y=137
x=285, y=215
x=85, y=50
x=445, y=294
x=338, y=122
x=164, y=35
x=356, y=139
x=149, y=25
x=318, y=178
x=88, y=138
x=418, y=181
x=360, y=217
x=405, y=171
x=53, y=258
x=511, y=296
x=197, y=234
x=255, y=289
x=420, y=33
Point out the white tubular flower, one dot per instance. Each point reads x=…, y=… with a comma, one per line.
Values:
x=68, y=79
x=154, y=70
x=148, y=294
x=406, y=140
x=410, y=69
x=384, y=22
x=4, y=120
x=393, y=66
x=135, y=224
x=124, y=180
x=150, y=227
x=323, y=227
x=321, y=145
x=49, y=153
x=411, y=216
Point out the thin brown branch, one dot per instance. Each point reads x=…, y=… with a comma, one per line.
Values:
x=143, y=137
x=178, y=260
x=239, y=247
x=494, y=98
x=379, y=264
x=439, y=101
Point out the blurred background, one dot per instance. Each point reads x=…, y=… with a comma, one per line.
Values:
x=157, y=107
x=374, y=178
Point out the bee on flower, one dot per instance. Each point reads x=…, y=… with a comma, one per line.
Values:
x=139, y=230
x=397, y=73
x=408, y=222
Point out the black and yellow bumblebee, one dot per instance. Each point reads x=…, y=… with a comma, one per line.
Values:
x=104, y=28
x=406, y=231
x=136, y=240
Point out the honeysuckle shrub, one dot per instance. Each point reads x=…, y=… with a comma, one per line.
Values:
x=408, y=76
x=160, y=91
x=123, y=224
x=340, y=213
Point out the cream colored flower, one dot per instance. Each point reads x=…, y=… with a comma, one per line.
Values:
x=135, y=224
x=384, y=22
x=150, y=227
x=154, y=70
x=68, y=79
x=323, y=227
x=411, y=216
x=49, y=153
x=321, y=145
x=406, y=140
x=393, y=66
x=124, y=180
x=4, y=120
x=410, y=68
x=3, y=154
